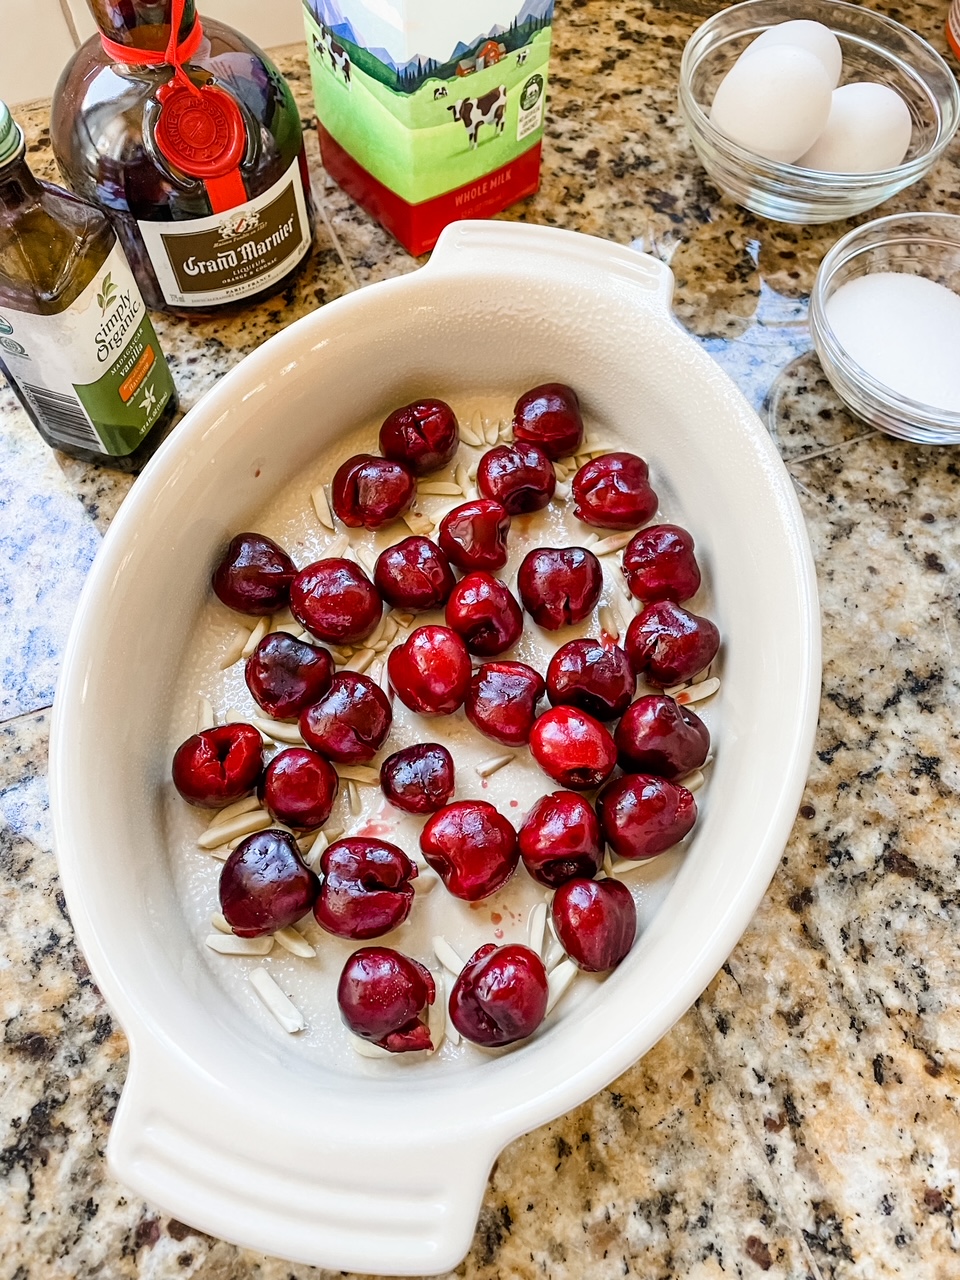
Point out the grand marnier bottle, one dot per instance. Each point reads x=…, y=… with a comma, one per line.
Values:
x=189, y=138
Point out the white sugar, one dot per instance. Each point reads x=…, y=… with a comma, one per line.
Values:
x=904, y=330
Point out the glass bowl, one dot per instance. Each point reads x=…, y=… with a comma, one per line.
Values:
x=874, y=48
x=923, y=244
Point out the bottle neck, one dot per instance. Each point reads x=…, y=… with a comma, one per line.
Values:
x=18, y=186
x=142, y=24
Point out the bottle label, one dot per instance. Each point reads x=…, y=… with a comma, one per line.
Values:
x=94, y=374
x=205, y=262
x=953, y=27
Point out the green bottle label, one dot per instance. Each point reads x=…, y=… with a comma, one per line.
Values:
x=94, y=375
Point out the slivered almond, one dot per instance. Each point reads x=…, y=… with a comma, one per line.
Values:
x=569, y=463
x=293, y=941
x=444, y=988
x=609, y=622
x=418, y=523
x=246, y=805
x=562, y=492
x=505, y=433
x=582, y=459
x=694, y=692
x=243, y=825
x=278, y=730
x=359, y=773
x=336, y=548
x=491, y=430
x=488, y=767
x=219, y=922
x=437, y=1014
x=231, y=945
x=222, y=853
x=622, y=865
x=234, y=650
x=447, y=956
x=561, y=471
x=353, y=796
x=598, y=447
x=360, y=661
x=463, y=480
x=322, y=507
x=367, y=559
x=439, y=489
x=589, y=540
x=277, y=1001
x=608, y=861
x=693, y=781
x=255, y=636
x=332, y=833
x=536, y=924
x=558, y=980
x=470, y=437
x=402, y=619
x=290, y=628
x=205, y=716
x=366, y=1048
x=306, y=843
x=606, y=546
x=473, y=468
x=350, y=553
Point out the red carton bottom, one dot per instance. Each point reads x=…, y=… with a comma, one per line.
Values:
x=418, y=226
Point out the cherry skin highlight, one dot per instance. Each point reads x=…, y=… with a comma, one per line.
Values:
x=668, y=645
x=430, y=671
x=573, y=748
x=656, y=735
x=659, y=564
x=560, y=839
x=549, y=416
x=472, y=847
x=419, y=779
x=559, y=586
x=613, y=492
x=350, y=723
x=424, y=435
x=215, y=767
x=641, y=815
x=596, y=922
x=383, y=997
x=265, y=885
x=335, y=601
x=500, y=996
x=365, y=888
x=474, y=535
x=502, y=701
x=285, y=675
x=254, y=575
x=519, y=476
x=596, y=678
x=299, y=788
x=414, y=574
x=485, y=613
x=369, y=492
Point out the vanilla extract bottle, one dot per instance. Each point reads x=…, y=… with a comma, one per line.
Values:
x=76, y=343
x=188, y=137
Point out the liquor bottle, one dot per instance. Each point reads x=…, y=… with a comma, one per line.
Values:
x=953, y=27
x=76, y=343
x=189, y=138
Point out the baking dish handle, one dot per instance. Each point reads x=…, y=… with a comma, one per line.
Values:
x=196, y=1149
x=471, y=244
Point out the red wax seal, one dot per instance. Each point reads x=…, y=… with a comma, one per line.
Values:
x=201, y=133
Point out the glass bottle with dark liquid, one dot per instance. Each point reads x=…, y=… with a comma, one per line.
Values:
x=189, y=138
x=76, y=343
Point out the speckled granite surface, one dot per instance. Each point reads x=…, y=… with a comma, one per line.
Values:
x=802, y=1121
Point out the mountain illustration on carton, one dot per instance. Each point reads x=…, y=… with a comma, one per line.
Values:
x=406, y=76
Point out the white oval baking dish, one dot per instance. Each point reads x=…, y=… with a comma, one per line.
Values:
x=233, y=1130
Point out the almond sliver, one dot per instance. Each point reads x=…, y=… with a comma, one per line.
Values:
x=488, y=767
x=235, y=648
x=336, y=548
x=322, y=507
x=693, y=781
x=353, y=795
x=277, y=1001
x=219, y=922
x=558, y=980
x=439, y=489
x=418, y=523
x=470, y=437
x=606, y=546
x=447, y=955
x=609, y=622
x=245, y=824
x=228, y=944
x=293, y=941
x=360, y=661
x=246, y=805
x=437, y=1014
x=685, y=694
x=366, y=1048
x=361, y=773
x=255, y=636
x=536, y=925
x=205, y=716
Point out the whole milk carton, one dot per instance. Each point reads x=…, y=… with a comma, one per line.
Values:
x=430, y=110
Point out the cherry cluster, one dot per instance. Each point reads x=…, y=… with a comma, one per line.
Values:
x=364, y=888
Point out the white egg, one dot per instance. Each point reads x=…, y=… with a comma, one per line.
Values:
x=773, y=102
x=803, y=33
x=869, y=128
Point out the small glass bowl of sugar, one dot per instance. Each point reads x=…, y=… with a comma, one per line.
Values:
x=885, y=320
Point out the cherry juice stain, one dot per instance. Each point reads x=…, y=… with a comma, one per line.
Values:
x=374, y=830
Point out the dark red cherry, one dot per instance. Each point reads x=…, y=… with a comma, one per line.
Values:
x=668, y=645
x=549, y=416
x=219, y=765
x=560, y=839
x=596, y=922
x=613, y=492
x=500, y=995
x=520, y=476
x=474, y=535
x=641, y=815
x=335, y=601
x=350, y=723
x=254, y=575
x=425, y=435
x=559, y=586
x=265, y=885
x=383, y=997
x=658, y=736
x=285, y=675
x=659, y=564
x=418, y=779
x=299, y=788
x=414, y=574
x=485, y=613
x=365, y=888
x=502, y=701
x=369, y=492
x=430, y=671
x=594, y=677
x=472, y=847
x=573, y=748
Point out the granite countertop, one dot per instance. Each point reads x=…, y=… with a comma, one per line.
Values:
x=801, y=1121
